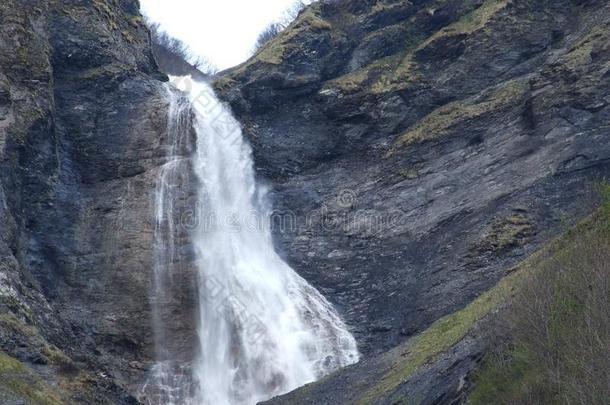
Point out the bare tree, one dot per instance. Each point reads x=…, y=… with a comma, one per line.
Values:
x=270, y=32
x=558, y=327
x=203, y=64
x=273, y=29
x=175, y=57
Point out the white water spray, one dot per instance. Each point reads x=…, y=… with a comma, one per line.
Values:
x=168, y=383
x=263, y=330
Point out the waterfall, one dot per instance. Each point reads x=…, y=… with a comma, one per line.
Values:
x=263, y=330
x=169, y=382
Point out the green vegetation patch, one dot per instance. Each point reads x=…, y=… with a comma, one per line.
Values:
x=409, y=174
x=18, y=381
x=31, y=334
x=553, y=343
x=471, y=22
x=604, y=191
x=109, y=70
x=373, y=76
x=580, y=54
x=505, y=233
x=404, y=74
x=385, y=75
x=442, y=335
x=273, y=52
x=451, y=329
x=440, y=121
x=15, y=325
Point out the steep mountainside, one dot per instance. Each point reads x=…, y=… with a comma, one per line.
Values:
x=423, y=148
x=82, y=127
x=435, y=366
x=417, y=151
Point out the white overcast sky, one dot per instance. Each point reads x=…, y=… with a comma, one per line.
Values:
x=224, y=31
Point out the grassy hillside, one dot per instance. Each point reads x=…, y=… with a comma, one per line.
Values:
x=553, y=344
x=18, y=383
x=551, y=318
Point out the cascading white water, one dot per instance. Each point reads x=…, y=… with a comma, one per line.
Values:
x=168, y=382
x=263, y=330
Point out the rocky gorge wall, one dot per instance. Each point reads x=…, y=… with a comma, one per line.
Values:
x=418, y=151
x=83, y=114
x=425, y=148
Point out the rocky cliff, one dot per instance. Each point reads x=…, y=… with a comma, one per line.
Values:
x=424, y=148
x=417, y=151
x=82, y=131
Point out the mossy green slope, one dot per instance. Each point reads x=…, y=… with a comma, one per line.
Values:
x=441, y=120
x=552, y=344
x=450, y=330
x=18, y=382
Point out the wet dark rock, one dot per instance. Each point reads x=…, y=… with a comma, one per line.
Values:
x=82, y=135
